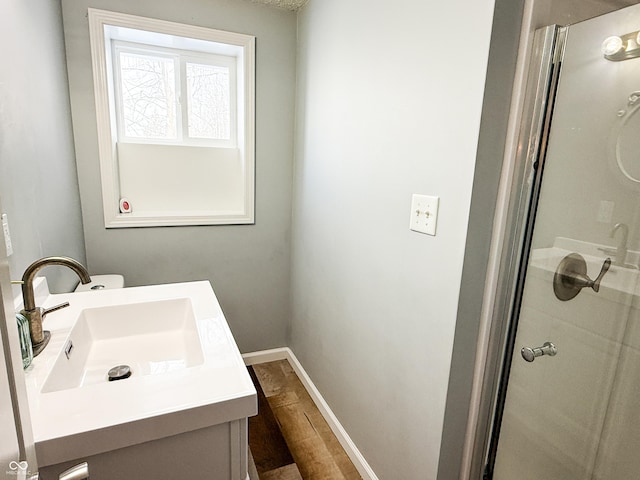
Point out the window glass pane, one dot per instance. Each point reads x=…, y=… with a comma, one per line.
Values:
x=148, y=96
x=208, y=101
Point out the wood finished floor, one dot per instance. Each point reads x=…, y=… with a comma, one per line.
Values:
x=314, y=449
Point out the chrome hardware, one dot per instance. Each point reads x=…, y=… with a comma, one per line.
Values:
x=530, y=354
x=625, y=159
x=621, y=251
x=79, y=472
x=119, y=372
x=571, y=276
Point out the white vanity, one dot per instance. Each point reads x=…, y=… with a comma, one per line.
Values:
x=182, y=413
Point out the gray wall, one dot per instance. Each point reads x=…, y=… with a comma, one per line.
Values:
x=493, y=133
x=382, y=113
x=38, y=182
x=247, y=265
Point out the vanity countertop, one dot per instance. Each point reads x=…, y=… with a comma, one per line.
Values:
x=91, y=419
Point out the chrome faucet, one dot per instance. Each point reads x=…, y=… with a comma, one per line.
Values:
x=35, y=315
x=621, y=251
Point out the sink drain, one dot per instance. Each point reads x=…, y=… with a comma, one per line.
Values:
x=119, y=372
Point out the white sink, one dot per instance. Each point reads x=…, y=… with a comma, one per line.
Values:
x=187, y=372
x=151, y=338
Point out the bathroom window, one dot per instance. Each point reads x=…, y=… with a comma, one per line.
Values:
x=175, y=114
x=174, y=96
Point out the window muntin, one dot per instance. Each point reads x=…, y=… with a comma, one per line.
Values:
x=174, y=96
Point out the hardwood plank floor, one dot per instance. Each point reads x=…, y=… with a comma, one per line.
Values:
x=315, y=450
x=268, y=446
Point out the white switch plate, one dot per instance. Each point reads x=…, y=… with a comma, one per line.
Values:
x=7, y=236
x=424, y=213
x=605, y=211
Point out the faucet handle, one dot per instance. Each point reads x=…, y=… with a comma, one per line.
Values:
x=39, y=337
x=46, y=311
x=603, y=270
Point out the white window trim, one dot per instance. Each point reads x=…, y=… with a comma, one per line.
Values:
x=100, y=22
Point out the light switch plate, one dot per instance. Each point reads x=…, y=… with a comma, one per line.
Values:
x=605, y=211
x=424, y=213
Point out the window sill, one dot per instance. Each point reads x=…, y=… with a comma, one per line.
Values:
x=169, y=219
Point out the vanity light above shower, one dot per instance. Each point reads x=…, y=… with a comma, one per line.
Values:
x=621, y=48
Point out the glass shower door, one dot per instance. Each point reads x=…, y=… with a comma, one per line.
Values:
x=572, y=404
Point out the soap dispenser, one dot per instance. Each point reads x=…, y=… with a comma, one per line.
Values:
x=25, y=340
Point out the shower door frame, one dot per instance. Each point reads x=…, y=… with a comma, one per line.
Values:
x=540, y=95
x=536, y=112
x=505, y=250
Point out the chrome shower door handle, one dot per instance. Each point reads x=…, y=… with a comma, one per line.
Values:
x=530, y=354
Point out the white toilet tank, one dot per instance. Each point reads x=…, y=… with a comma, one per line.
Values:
x=101, y=282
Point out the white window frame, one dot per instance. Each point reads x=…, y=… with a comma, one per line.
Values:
x=106, y=27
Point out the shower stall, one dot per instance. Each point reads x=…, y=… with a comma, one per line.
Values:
x=565, y=403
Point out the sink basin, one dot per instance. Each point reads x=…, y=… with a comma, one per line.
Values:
x=151, y=338
x=187, y=374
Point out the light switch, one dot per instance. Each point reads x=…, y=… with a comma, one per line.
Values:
x=605, y=211
x=7, y=236
x=424, y=214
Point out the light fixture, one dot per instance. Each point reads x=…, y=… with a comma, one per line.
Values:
x=621, y=48
x=611, y=45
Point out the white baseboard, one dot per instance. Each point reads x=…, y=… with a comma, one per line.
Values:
x=265, y=356
x=364, y=469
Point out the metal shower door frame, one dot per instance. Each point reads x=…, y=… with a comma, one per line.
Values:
x=544, y=71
